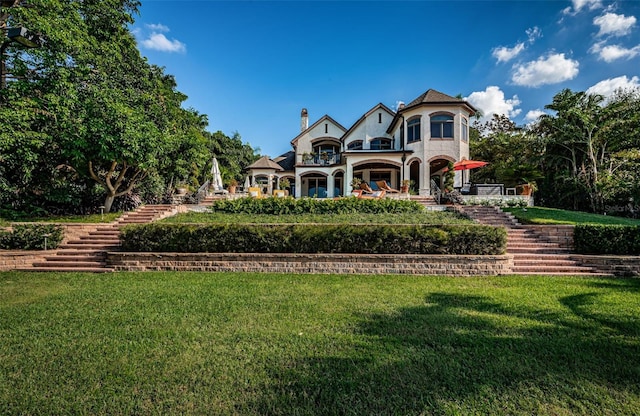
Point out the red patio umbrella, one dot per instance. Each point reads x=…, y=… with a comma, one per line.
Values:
x=469, y=164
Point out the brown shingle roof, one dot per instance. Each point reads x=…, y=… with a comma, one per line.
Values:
x=432, y=96
x=265, y=163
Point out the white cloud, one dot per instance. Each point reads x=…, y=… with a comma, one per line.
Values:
x=492, y=101
x=609, y=86
x=157, y=27
x=505, y=54
x=533, y=33
x=610, y=53
x=159, y=42
x=614, y=24
x=533, y=115
x=578, y=5
x=551, y=69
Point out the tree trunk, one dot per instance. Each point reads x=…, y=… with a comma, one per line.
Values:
x=108, y=201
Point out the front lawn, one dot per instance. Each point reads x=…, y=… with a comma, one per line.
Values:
x=234, y=343
x=552, y=216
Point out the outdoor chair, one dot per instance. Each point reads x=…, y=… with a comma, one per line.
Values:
x=385, y=187
x=374, y=195
x=255, y=192
x=279, y=193
x=365, y=187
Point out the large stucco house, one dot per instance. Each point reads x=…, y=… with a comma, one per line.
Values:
x=416, y=142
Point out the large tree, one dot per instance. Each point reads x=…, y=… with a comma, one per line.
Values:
x=591, y=155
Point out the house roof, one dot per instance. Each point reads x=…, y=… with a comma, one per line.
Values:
x=265, y=163
x=364, y=117
x=287, y=160
x=431, y=97
x=314, y=125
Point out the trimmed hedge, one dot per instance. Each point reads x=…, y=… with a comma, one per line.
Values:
x=314, y=238
x=347, y=205
x=606, y=239
x=31, y=237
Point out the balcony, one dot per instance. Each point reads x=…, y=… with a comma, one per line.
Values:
x=321, y=160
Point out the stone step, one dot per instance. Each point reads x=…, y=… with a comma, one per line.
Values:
x=65, y=264
x=89, y=246
x=69, y=269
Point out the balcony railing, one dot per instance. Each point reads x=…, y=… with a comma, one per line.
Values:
x=320, y=160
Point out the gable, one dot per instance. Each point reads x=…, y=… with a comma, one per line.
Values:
x=326, y=127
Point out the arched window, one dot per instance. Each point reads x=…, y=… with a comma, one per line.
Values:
x=413, y=130
x=355, y=145
x=380, y=143
x=442, y=126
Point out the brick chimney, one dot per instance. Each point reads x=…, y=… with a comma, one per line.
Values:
x=304, y=120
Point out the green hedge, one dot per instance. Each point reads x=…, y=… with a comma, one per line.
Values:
x=314, y=238
x=347, y=205
x=31, y=237
x=606, y=239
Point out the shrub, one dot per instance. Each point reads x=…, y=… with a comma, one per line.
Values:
x=284, y=206
x=606, y=239
x=313, y=238
x=31, y=237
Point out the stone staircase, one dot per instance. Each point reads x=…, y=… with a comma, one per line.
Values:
x=532, y=253
x=427, y=201
x=86, y=251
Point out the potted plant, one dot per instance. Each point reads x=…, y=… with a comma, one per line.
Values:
x=529, y=188
x=284, y=184
x=232, y=185
x=355, y=183
x=307, y=158
x=404, y=186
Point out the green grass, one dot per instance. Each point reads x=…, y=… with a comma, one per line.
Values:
x=540, y=215
x=233, y=343
x=426, y=217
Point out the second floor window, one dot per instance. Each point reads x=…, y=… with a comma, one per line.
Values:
x=442, y=126
x=380, y=143
x=355, y=145
x=413, y=130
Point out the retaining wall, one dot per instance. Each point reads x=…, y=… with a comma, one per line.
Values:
x=623, y=266
x=11, y=260
x=451, y=265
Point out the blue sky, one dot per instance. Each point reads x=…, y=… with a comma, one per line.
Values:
x=251, y=66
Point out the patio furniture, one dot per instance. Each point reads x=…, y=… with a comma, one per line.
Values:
x=374, y=195
x=365, y=187
x=385, y=187
x=279, y=193
x=255, y=192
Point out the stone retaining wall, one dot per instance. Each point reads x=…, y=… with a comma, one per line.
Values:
x=623, y=266
x=450, y=265
x=11, y=260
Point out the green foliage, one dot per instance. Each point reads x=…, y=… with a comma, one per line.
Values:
x=424, y=217
x=310, y=238
x=607, y=239
x=285, y=206
x=591, y=149
x=31, y=237
x=514, y=153
x=88, y=113
x=449, y=178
